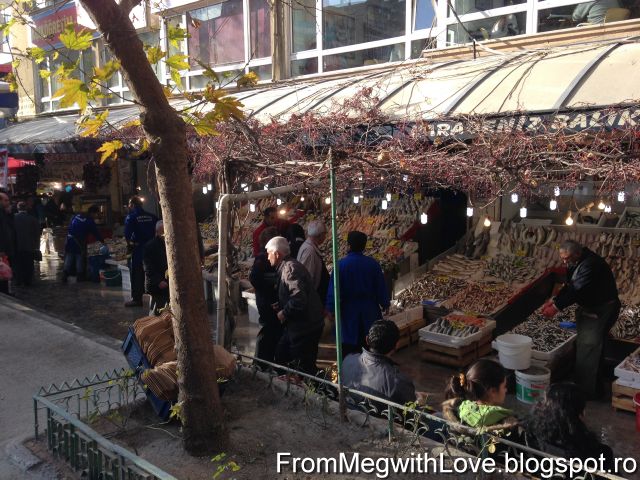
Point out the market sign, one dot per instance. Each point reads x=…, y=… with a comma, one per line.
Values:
x=570, y=122
x=48, y=25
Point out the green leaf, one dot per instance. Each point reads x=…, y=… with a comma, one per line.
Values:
x=109, y=150
x=16, y=63
x=208, y=71
x=6, y=27
x=73, y=91
x=12, y=81
x=225, y=106
x=175, y=76
x=36, y=54
x=107, y=71
x=91, y=126
x=75, y=40
x=55, y=55
x=44, y=73
x=154, y=54
x=65, y=69
x=177, y=61
x=176, y=35
x=207, y=125
x=248, y=80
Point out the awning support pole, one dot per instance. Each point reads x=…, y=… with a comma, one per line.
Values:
x=223, y=242
x=336, y=283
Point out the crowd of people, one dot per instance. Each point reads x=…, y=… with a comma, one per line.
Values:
x=20, y=229
x=295, y=293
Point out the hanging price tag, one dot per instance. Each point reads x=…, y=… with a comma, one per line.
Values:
x=417, y=196
x=369, y=243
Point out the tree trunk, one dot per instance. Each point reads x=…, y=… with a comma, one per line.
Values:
x=201, y=414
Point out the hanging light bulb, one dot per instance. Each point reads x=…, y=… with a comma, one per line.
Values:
x=569, y=219
x=621, y=196
x=553, y=204
x=278, y=202
x=302, y=198
x=601, y=205
x=556, y=191
x=487, y=222
x=217, y=205
x=424, y=218
x=385, y=204
x=360, y=178
x=327, y=200
x=252, y=207
x=514, y=197
x=283, y=211
x=607, y=209
x=388, y=197
x=405, y=178
x=209, y=187
x=204, y=189
x=356, y=198
x=266, y=187
x=523, y=212
x=469, y=211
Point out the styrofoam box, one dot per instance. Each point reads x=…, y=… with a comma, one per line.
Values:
x=448, y=340
x=627, y=375
x=126, y=277
x=415, y=313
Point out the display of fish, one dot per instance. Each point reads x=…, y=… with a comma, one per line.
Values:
x=546, y=333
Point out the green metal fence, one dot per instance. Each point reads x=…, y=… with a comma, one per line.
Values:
x=65, y=411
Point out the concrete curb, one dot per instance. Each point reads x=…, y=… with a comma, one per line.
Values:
x=21, y=456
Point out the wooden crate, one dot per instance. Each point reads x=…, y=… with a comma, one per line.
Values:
x=622, y=397
x=455, y=357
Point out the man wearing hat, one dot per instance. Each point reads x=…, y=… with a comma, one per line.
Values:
x=363, y=293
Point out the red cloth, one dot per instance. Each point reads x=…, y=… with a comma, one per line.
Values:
x=281, y=225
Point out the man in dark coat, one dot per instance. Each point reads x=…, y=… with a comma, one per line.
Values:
x=299, y=309
x=28, y=243
x=590, y=284
x=7, y=236
x=139, y=229
x=155, y=265
x=374, y=372
x=264, y=279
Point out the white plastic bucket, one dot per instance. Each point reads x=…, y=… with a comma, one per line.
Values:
x=515, y=351
x=531, y=384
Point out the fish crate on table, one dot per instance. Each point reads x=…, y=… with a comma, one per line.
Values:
x=409, y=322
x=622, y=396
x=460, y=357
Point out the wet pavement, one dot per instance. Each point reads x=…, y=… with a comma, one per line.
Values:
x=88, y=305
x=101, y=310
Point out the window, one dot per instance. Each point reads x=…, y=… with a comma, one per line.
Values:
x=303, y=24
x=423, y=15
x=347, y=22
x=216, y=33
x=370, y=56
x=260, y=28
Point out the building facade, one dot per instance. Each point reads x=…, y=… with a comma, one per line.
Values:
x=319, y=37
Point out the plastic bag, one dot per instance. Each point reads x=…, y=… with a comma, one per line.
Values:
x=5, y=270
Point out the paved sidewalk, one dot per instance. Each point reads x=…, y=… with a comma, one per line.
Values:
x=38, y=350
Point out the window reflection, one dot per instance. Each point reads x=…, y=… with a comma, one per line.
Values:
x=487, y=28
x=371, y=56
x=305, y=66
x=584, y=14
x=463, y=7
x=260, y=29
x=217, y=33
x=347, y=22
x=303, y=24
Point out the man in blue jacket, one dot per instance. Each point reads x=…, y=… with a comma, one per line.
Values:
x=75, y=248
x=362, y=294
x=139, y=229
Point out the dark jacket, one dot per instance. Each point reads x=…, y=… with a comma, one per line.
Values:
x=589, y=284
x=155, y=265
x=27, y=232
x=139, y=229
x=298, y=300
x=7, y=235
x=378, y=375
x=264, y=279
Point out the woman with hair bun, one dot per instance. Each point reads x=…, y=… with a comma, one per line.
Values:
x=475, y=398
